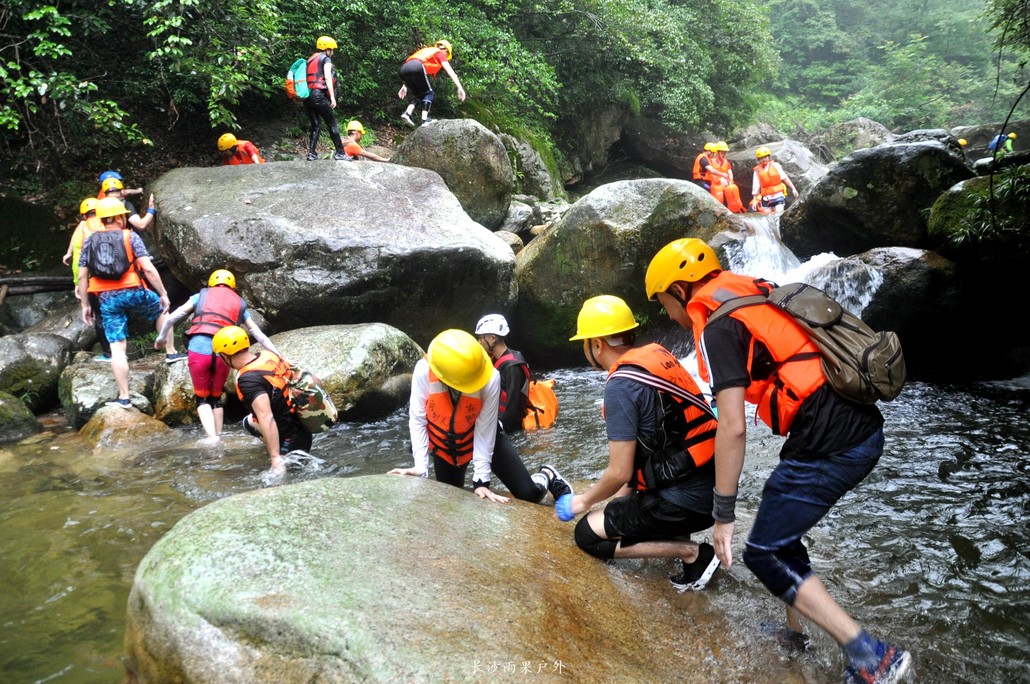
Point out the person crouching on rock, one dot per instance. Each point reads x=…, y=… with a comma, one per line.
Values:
x=260, y=380
x=213, y=307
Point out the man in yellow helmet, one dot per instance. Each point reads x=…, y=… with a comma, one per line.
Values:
x=769, y=183
x=416, y=72
x=88, y=225
x=759, y=355
x=452, y=417
x=113, y=187
x=321, y=101
x=352, y=147
x=661, y=438
x=213, y=308
x=235, y=151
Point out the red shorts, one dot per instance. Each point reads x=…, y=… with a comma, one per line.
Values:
x=208, y=374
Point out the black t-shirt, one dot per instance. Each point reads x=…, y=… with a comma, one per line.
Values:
x=826, y=424
x=254, y=384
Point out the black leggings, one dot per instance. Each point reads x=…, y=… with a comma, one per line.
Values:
x=507, y=465
x=98, y=324
x=320, y=110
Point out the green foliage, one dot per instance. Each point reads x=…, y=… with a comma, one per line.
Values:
x=1001, y=215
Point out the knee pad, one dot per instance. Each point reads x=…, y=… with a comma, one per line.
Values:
x=215, y=402
x=781, y=570
x=200, y=400
x=592, y=543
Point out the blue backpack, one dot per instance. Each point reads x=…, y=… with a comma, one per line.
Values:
x=297, y=80
x=996, y=144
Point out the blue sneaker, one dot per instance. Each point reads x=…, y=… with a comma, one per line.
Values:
x=120, y=403
x=173, y=358
x=103, y=358
x=894, y=664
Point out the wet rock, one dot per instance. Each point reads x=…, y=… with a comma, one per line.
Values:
x=16, y=420
x=67, y=322
x=662, y=148
x=513, y=240
x=174, y=400
x=401, y=579
x=115, y=428
x=856, y=134
x=86, y=385
x=30, y=366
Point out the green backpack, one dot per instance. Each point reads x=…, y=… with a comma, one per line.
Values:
x=860, y=364
x=297, y=80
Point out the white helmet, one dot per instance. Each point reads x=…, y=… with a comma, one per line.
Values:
x=492, y=324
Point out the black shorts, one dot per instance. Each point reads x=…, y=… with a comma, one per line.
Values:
x=646, y=516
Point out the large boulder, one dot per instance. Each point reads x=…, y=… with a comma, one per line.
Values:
x=472, y=162
x=800, y=164
x=403, y=579
x=875, y=197
x=662, y=148
x=16, y=420
x=533, y=175
x=856, y=134
x=67, y=322
x=20, y=312
x=86, y=385
x=603, y=246
x=589, y=137
x=336, y=243
x=114, y=428
x=31, y=365
x=173, y=399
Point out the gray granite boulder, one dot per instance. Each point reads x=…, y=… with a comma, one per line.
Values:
x=31, y=365
x=67, y=322
x=86, y=385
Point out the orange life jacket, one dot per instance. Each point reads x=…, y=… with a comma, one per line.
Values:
x=245, y=150
x=270, y=365
x=799, y=370
x=769, y=181
x=719, y=165
x=692, y=429
x=131, y=277
x=697, y=166
x=451, y=427
x=217, y=307
x=430, y=58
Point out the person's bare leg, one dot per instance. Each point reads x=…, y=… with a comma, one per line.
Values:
x=120, y=367
x=816, y=604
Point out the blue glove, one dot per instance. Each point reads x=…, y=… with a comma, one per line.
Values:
x=563, y=507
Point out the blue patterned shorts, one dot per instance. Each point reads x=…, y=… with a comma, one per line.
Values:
x=117, y=305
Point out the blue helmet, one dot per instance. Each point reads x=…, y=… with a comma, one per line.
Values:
x=110, y=174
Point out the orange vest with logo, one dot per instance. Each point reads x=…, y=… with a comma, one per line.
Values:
x=131, y=277
x=699, y=424
x=799, y=370
x=451, y=427
x=720, y=165
x=769, y=180
x=430, y=58
x=270, y=365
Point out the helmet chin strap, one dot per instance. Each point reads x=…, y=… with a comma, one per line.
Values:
x=591, y=358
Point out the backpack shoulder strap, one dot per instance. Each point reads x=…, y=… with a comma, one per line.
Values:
x=661, y=384
x=732, y=305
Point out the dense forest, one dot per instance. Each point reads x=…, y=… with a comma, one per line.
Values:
x=143, y=84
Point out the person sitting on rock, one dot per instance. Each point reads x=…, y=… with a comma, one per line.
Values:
x=214, y=307
x=661, y=443
x=352, y=147
x=452, y=415
x=235, y=151
x=260, y=380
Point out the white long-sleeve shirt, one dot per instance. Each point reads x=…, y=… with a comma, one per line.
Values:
x=756, y=183
x=486, y=423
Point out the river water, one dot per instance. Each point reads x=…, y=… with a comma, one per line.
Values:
x=932, y=551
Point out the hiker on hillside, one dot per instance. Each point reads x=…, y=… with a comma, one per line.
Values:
x=321, y=100
x=110, y=265
x=491, y=331
x=260, y=380
x=416, y=73
x=452, y=416
x=88, y=225
x=214, y=307
x=832, y=444
x=353, y=149
x=769, y=183
x=235, y=151
x=661, y=437
x=1002, y=144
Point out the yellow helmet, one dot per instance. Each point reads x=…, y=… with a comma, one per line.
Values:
x=1013, y=135
x=602, y=316
x=110, y=184
x=459, y=361
x=222, y=277
x=110, y=206
x=325, y=43
x=688, y=259
x=230, y=340
x=226, y=141
x=709, y=147
x=962, y=142
x=89, y=204
x=721, y=146
x=445, y=45
x=762, y=152
x=355, y=125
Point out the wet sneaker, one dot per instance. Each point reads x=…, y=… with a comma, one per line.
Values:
x=120, y=403
x=339, y=157
x=172, y=358
x=894, y=664
x=312, y=156
x=426, y=122
x=556, y=484
x=103, y=358
x=695, y=575
x=407, y=119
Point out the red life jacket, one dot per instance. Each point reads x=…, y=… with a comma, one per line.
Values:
x=245, y=151
x=217, y=307
x=451, y=427
x=512, y=357
x=799, y=370
x=131, y=277
x=432, y=59
x=685, y=439
x=316, y=72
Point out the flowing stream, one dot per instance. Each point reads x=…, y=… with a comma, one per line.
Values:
x=932, y=551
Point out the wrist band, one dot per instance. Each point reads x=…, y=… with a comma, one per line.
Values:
x=722, y=507
x=152, y=211
x=476, y=484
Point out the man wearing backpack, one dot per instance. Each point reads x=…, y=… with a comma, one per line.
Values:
x=661, y=437
x=260, y=384
x=832, y=444
x=110, y=265
x=321, y=101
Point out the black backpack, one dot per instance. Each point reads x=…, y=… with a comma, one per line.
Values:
x=860, y=364
x=109, y=254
